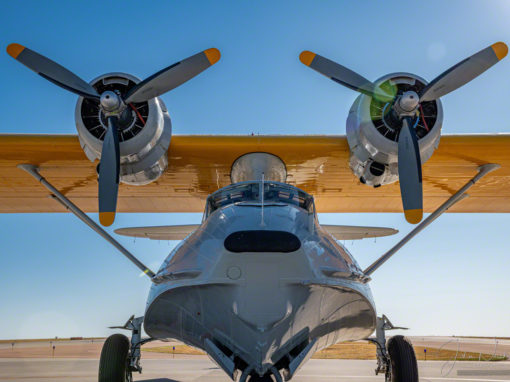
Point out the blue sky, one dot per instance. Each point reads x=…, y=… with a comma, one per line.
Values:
x=61, y=279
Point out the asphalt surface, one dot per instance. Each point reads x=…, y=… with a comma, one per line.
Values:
x=201, y=369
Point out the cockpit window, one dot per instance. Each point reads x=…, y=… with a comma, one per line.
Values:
x=249, y=193
x=262, y=241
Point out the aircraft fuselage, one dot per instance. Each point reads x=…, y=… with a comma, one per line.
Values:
x=260, y=284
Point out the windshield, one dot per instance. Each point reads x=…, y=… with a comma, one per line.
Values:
x=249, y=193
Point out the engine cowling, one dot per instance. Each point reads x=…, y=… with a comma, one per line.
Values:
x=144, y=129
x=372, y=130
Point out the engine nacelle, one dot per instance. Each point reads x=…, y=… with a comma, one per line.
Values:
x=372, y=131
x=144, y=129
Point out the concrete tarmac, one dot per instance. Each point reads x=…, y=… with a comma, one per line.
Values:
x=201, y=369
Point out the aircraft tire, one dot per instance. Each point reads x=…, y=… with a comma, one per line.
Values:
x=113, y=363
x=404, y=367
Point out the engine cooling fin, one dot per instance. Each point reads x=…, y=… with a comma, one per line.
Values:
x=388, y=124
x=132, y=120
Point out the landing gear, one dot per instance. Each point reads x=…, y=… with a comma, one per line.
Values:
x=272, y=375
x=403, y=360
x=396, y=358
x=120, y=356
x=113, y=364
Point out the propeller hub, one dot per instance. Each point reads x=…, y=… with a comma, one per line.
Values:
x=409, y=101
x=110, y=101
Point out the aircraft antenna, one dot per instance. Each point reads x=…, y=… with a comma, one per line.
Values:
x=262, y=224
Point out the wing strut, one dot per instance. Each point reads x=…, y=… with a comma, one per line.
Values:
x=33, y=170
x=458, y=196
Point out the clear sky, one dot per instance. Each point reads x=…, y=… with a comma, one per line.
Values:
x=61, y=279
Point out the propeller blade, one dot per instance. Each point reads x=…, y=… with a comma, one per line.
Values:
x=343, y=75
x=173, y=76
x=409, y=173
x=109, y=174
x=52, y=71
x=463, y=72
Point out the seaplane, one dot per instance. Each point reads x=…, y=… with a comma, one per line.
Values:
x=260, y=284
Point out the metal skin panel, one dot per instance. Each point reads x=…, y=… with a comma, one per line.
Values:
x=260, y=306
x=176, y=232
x=179, y=232
x=255, y=166
x=199, y=165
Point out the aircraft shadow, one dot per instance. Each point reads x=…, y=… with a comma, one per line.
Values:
x=158, y=380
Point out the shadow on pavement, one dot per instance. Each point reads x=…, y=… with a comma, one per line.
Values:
x=158, y=380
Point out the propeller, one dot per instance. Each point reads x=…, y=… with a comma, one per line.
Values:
x=52, y=71
x=113, y=104
x=463, y=72
x=109, y=170
x=343, y=75
x=409, y=172
x=406, y=108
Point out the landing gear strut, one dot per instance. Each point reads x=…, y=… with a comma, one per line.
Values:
x=120, y=356
x=396, y=358
x=272, y=375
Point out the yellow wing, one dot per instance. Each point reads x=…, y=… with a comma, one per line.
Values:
x=199, y=165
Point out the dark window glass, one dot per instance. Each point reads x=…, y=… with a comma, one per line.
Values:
x=249, y=193
x=262, y=241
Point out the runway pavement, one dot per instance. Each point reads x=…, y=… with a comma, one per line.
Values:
x=201, y=369
x=75, y=361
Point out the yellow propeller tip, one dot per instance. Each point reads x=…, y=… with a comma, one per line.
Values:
x=306, y=57
x=14, y=50
x=414, y=216
x=213, y=55
x=106, y=218
x=500, y=49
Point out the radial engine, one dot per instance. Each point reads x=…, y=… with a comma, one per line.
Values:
x=144, y=130
x=373, y=129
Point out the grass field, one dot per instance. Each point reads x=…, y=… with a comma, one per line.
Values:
x=357, y=350
x=179, y=349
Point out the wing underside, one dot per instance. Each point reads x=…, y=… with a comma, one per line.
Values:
x=199, y=165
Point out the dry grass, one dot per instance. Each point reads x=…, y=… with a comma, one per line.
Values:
x=52, y=339
x=446, y=355
x=179, y=349
x=348, y=350
x=367, y=350
x=356, y=350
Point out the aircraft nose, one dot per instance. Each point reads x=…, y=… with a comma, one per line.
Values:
x=264, y=350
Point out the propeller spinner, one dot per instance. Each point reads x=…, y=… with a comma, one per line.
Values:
x=113, y=104
x=405, y=108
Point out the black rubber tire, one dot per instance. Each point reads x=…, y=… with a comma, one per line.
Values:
x=404, y=367
x=113, y=365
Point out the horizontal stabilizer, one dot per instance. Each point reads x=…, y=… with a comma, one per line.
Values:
x=165, y=232
x=179, y=232
x=348, y=232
